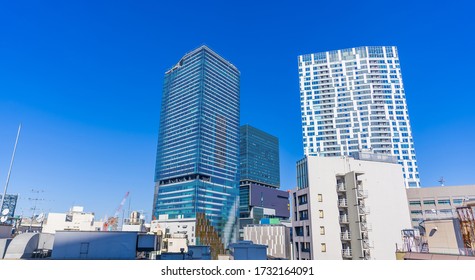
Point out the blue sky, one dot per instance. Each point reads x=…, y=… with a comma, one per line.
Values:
x=85, y=80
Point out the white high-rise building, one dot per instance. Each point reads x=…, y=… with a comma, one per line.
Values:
x=354, y=99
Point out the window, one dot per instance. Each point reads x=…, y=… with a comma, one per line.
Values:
x=415, y=202
x=324, y=247
x=429, y=202
x=303, y=215
x=320, y=197
x=299, y=231
x=443, y=201
x=307, y=228
x=305, y=246
x=320, y=213
x=322, y=230
x=303, y=199
x=458, y=200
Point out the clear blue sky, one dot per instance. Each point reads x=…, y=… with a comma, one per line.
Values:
x=85, y=79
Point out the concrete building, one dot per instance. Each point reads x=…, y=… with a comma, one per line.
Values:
x=197, y=166
x=348, y=209
x=75, y=219
x=275, y=236
x=354, y=99
x=432, y=203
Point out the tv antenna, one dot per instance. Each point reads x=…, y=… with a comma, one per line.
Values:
x=35, y=201
x=441, y=181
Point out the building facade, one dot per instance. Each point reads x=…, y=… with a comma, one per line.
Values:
x=197, y=167
x=354, y=99
x=259, y=156
x=433, y=203
x=275, y=236
x=348, y=209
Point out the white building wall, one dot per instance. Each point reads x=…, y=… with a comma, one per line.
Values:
x=322, y=181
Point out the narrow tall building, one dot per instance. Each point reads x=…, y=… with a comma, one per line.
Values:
x=353, y=99
x=197, y=167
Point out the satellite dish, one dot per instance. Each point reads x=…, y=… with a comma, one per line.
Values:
x=40, y=217
x=3, y=219
x=5, y=211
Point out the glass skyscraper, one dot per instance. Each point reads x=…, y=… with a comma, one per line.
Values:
x=353, y=99
x=259, y=153
x=197, y=167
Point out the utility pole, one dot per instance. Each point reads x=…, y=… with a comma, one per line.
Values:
x=10, y=169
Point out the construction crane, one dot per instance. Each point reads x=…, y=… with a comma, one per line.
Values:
x=112, y=222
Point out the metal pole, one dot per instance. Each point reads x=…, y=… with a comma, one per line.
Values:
x=10, y=169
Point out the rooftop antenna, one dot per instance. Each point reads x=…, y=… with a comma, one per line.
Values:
x=10, y=169
x=441, y=181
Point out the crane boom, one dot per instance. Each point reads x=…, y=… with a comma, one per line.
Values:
x=111, y=223
x=121, y=205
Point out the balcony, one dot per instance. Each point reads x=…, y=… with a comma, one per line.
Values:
x=346, y=253
x=342, y=202
x=341, y=187
x=345, y=235
x=344, y=219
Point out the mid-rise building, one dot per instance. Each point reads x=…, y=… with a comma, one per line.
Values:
x=354, y=99
x=197, y=167
x=348, y=209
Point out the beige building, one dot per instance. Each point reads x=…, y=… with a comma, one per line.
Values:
x=348, y=209
x=433, y=203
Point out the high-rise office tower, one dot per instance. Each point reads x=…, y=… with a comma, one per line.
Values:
x=354, y=99
x=197, y=168
x=259, y=192
x=259, y=156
